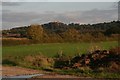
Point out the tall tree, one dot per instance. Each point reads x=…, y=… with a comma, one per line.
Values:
x=35, y=32
x=71, y=35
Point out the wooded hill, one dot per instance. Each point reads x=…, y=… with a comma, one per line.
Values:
x=59, y=31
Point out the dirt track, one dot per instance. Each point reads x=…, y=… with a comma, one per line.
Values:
x=16, y=71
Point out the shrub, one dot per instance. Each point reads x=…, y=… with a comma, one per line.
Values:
x=61, y=61
x=38, y=61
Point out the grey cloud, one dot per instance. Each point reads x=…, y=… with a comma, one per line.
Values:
x=18, y=17
x=95, y=16
x=115, y=5
x=9, y=25
x=23, y=18
x=11, y=19
x=11, y=3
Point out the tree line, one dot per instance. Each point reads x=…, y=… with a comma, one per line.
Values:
x=61, y=32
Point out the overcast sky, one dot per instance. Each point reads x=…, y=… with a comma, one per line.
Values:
x=16, y=14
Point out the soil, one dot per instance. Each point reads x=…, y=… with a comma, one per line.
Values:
x=54, y=75
x=16, y=71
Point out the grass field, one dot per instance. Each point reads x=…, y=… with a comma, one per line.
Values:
x=51, y=49
x=13, y=56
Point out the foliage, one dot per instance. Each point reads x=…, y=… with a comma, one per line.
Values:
x=71, y=35
x=35, y=32
x=38, y=61
x=59, y=32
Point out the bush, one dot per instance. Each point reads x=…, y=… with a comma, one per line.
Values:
x=61, y=61
x=38, y=61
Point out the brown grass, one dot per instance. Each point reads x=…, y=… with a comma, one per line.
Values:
x=14, y=41
x=13, y=38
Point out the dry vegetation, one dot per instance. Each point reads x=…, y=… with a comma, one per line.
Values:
x=15, y=41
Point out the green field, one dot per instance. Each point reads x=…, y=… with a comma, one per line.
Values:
x=51, y=49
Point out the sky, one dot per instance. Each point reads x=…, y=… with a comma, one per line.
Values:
x=15, y=14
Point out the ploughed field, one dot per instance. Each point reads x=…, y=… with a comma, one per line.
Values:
x=51, y=49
